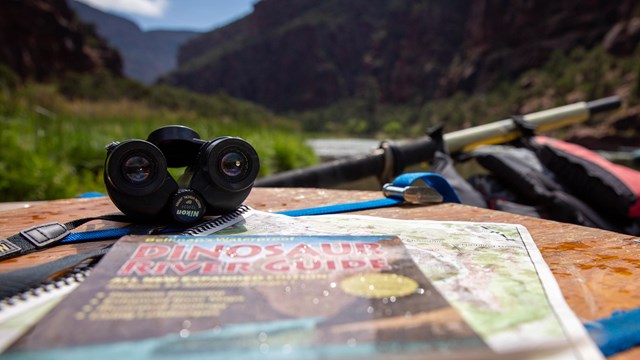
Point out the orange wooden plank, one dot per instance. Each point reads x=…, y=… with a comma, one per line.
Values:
x=597, y=270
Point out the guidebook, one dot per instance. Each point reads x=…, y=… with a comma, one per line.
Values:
x=255, y=296
x=492, y=273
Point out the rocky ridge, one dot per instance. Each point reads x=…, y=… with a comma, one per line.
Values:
x=146, y=54
x=42, y=39
x=305, y=54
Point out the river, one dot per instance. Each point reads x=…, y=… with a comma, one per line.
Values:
x=331, y=149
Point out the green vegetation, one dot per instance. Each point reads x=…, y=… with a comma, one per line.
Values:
x=53, y=136
x=566, y=78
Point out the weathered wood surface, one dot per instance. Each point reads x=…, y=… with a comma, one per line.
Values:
x=597, y=270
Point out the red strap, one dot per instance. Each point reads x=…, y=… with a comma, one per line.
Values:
x=628, y=176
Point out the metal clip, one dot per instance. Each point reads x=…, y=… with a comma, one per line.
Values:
x=423, y=194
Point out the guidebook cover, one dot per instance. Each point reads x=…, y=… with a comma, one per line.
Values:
x=254, y=296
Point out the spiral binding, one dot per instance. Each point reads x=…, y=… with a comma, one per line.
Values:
x=219, y=223
x=72, y=279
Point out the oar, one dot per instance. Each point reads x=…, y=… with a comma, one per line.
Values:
x=392, y=158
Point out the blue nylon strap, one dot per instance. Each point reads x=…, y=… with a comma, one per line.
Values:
x=49, y=234
x=106, y=234
x=617, y=333
x=436, y=181
x=338, y=208
x=75, y=237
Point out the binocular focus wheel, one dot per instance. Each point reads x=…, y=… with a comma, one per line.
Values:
x=179, y=144
x=172, y=133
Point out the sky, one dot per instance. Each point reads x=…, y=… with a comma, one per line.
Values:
x=198, y=15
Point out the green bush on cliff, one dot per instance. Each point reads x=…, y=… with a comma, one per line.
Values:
x=566, y=77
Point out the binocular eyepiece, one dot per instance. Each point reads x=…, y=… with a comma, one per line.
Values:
x=218, y=177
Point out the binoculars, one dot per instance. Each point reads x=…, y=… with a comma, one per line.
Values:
x=218, y=177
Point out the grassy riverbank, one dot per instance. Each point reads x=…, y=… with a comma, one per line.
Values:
x=53, y=136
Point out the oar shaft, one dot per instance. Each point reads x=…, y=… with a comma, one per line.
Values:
x=502, y=131
x=353, y=168
x=328, y=174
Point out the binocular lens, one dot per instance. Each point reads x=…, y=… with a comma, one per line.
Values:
x=233, y=164
x=137, y=169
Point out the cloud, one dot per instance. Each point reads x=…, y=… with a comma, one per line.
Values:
x=151, y=8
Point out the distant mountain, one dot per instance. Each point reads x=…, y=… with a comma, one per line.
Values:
x=42, y=39
x=300, y=54
x=146, y=54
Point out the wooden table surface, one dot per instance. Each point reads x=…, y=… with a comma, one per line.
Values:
x=597, y=270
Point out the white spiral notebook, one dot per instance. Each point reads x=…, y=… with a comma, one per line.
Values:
x=18, y=313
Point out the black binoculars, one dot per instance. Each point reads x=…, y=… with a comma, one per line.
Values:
x=218, y=177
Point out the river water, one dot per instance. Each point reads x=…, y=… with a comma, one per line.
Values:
x=331, y=149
